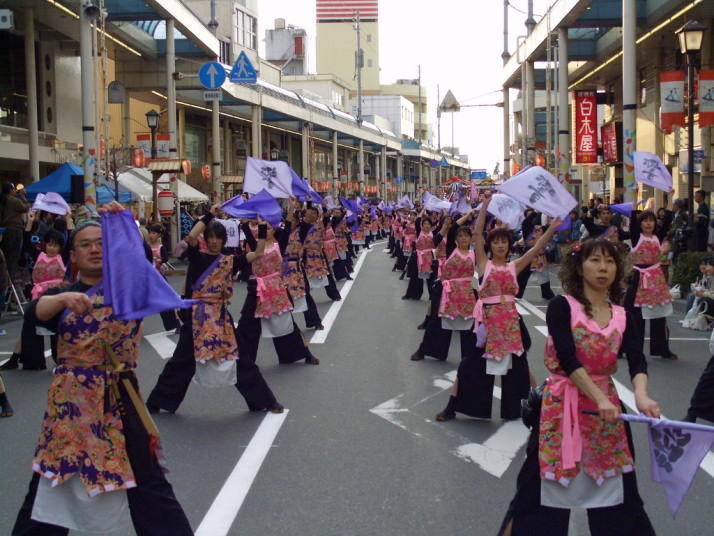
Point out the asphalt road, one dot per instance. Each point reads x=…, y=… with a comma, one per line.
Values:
x=358, y=452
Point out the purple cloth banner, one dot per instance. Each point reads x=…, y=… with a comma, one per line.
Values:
x=132, y=286
x=351, y=205
x=676, y=450
x=262, y=204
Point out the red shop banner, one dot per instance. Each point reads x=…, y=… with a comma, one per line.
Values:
x=611, y=142
x=585, y=127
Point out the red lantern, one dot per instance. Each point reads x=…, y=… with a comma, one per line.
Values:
x=206, y=171
x=166, y=203
x=138, y=158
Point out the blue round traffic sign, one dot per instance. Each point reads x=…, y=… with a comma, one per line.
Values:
x=212, y=75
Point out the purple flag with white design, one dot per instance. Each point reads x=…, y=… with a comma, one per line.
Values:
x=676, y=450
x=261, y=204
x=650, y=170
x=405, y=202
x=271, y=175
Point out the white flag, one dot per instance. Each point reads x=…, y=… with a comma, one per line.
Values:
x=433, y=203
x=506, y=209
x=51, y=202
x=538, y=189
x=272, y=176
x=650, y=170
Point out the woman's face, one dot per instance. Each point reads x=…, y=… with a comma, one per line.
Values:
x=599, y=270
x=214, y=245
x=660, y=213
x=153, y=237
x=648, y=225
x=463, y=240
x=499, y=247
x=709, y=270
x=426, y=226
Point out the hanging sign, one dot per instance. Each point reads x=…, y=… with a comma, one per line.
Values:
x=671, y=85
x=585, y=127
x=706, y=98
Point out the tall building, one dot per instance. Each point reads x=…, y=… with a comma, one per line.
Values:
x=286, y=47
x=337, y=40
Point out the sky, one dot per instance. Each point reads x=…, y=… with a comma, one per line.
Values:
x=458, y=44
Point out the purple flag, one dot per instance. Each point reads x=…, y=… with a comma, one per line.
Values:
x=300, y=188
x=650, y=170
x=372, y=212
x=262, y=204
x=676, y=450
x=351, y=205
x=566, y=225
x=405, y=202
x=330, y=203
x=132, y=286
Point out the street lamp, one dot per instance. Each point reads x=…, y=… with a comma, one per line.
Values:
x=152, y=120
x=690, y=43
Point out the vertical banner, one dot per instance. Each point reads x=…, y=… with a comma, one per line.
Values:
x=611, y=138
x=585, y=127
x=706, y=98
x=671, y=89
x=143, y=142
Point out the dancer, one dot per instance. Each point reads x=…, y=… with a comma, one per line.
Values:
x=502, y=339
x=576, y=460
x=5, y=406
x=648, y=296
x=419, y=265
x=267, y=307
x=208, y=339
x=453, y=298
x=83, y=479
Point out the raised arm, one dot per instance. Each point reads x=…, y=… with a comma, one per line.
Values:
x=543, y=241
x=479, y=241
x=260, y=246
x=192, y=238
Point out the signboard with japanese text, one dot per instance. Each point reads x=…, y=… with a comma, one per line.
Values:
x=143, y=141
x=611, y=142
x=585, y=127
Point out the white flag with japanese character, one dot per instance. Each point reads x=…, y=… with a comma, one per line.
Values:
x=650, y=170
x=538, y=189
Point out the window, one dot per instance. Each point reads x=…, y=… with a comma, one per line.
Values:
x=369, y=38
x=369, y=63
x=246, y=30
x=225, y=52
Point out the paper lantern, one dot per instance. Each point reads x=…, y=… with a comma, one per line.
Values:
x=206, y=171
x=166, y=203
x=138, y=158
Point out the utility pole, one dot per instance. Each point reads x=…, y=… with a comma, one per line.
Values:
x=438, y=118
x=419, y=100
x=359, y=63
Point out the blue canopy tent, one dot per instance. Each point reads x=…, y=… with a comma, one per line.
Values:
x=60, y=181
x=105, y=194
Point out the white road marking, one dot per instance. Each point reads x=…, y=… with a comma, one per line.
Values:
x=532, y=308
x=543, y=330
x=222, y=513
x=496, y=454
x=628, y=397
x=161, y=343
x=683, y=339
x=321, y=336
x=521, y=310
x=48, y=353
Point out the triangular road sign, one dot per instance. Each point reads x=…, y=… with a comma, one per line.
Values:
x=450, y=104
x=243, y=71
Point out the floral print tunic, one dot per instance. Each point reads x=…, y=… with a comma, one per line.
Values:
x=331, y=245
x=212, y=326
x=272, y=296
x=82, y=430
x=569, y=440
x=457, y=297
x=48, y=272
x=293, y=278
x=315, y=264
x=424, y=250
x=496, y=309
x=341, y=235
x=409, y=236
x=440, y=254
x=652, y=289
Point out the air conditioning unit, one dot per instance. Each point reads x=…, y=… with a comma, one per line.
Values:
x=7, y=20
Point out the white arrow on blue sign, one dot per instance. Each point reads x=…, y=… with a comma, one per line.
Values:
x=212, y=75
x=243, y=71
